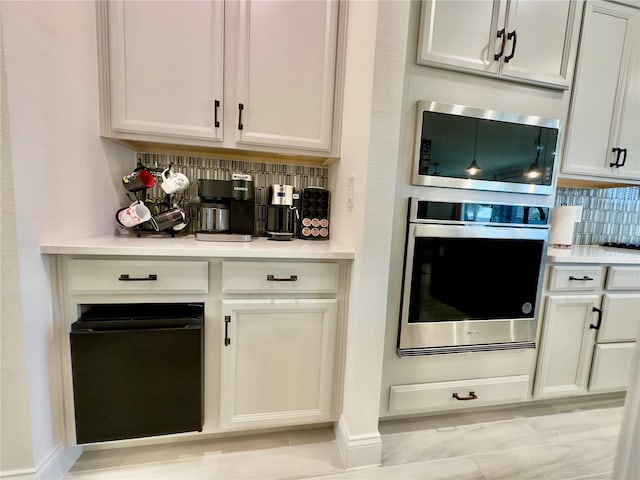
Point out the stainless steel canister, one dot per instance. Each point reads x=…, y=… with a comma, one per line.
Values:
x=214, y=217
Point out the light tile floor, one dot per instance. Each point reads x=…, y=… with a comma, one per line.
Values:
x=554, y=440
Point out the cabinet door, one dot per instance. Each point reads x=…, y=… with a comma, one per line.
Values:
x=277, y=362
x=165, y=61
x=611, y=367
x=286, y=62
x=627, y=133
x=461, y=35
x=620, y=317
x=601, y=79
x=566, y=346
x=542, y=36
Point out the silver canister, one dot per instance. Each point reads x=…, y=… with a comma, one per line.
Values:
x=281, y=194
x=214, y=217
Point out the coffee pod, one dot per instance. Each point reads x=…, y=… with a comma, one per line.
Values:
x=173, y=218
x=138, y=180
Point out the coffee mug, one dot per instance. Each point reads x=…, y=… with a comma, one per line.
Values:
x=175, y=218
x=138, y=180
x=173, y=182
x=133, y=215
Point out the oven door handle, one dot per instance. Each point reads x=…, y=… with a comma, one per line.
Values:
x=472, y=396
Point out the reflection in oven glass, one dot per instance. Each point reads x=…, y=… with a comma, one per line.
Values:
x=474, y=279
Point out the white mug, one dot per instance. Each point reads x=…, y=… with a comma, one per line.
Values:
x=173, y=182
x=133, y=215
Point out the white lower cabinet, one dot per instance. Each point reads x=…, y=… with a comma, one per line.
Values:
x=567, y=345
x=611, y=366
x=277, y=362
x=588, y=337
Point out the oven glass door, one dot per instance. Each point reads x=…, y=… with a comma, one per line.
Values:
x=467, y=285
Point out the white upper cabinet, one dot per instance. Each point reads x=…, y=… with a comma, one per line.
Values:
x=286, y=61
x=603, y=137
x=238, y=74
x=166, y=67
x=522, y=40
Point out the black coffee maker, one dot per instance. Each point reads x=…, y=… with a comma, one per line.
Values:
x=282, y=214
x=226, y=212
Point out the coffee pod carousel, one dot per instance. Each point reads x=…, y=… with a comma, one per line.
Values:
x=165, y=215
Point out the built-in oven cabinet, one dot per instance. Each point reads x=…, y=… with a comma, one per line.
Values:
x=602, y=137
x=278, y=343
x=528, y=42
x=589, y=328
x=216, y=74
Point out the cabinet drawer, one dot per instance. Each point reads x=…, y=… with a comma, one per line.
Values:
x=440, y=395
x=625, y=278
x=279, y=277
x=611, y=366
x=620, y=318
x=137, y=276
x=575, y=278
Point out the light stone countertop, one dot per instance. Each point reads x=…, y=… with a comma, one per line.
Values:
x=188, y=246
x=593, y=254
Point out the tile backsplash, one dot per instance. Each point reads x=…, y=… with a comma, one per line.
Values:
x=264, y=174
x=608, y=215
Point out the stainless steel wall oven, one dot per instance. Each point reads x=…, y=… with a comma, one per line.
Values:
x=472, y=276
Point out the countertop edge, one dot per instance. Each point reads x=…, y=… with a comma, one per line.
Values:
x=593, y=254
x=260, y=248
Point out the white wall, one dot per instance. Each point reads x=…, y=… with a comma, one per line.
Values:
x=65, y=182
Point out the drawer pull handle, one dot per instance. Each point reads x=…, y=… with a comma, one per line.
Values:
x=583, y=279
x=292, y=278
x=472, y=396
x=126, y=278
x=227, y=340
x=597, y=325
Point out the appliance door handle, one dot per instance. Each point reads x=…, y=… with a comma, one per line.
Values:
x=585, y=278
x=292, y=278
x=599, y=322
x=227, y=321
x=472, y=396
x=124, y=277
x=504, y=40
x=216, y=105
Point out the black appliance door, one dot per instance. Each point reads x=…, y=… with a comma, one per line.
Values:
x=137, y=376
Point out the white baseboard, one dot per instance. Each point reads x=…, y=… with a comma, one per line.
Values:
x=53, y=467
x=358, y=451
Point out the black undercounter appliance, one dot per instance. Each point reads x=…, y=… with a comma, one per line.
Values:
x=137, y=370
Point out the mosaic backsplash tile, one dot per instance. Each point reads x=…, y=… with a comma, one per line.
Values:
x=608, y=215
x=264, y=174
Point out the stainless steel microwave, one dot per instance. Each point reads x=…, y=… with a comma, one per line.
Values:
x=465, y=147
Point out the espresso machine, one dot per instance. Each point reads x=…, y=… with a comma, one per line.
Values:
x=282, y=213
x=226, y=212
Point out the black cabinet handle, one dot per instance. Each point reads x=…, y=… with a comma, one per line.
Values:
x=240, y=109
x=292, y=278
x=472, y=396
x=504, y=40
x=617, y=151
x=216, y=105
x=511, y=35
x=227, y=340
x=624, y=158
x=599, y=322
x=583, y=279
x=126, y=278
